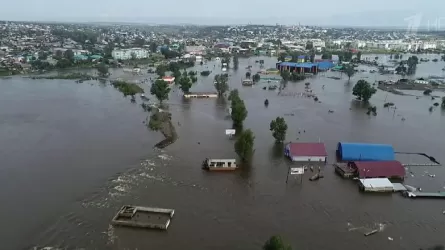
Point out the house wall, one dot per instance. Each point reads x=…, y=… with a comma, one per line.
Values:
x=309, y=158
x=200, y=95
x=125, y=54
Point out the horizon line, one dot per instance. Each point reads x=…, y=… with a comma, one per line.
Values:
x=150, y=23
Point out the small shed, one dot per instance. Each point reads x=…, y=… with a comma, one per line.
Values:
x=304, y=152
x=379, y=169
x=376, y=185
x=347, y=151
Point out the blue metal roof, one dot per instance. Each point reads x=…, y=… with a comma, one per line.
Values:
x=325, y=65
x=299, y=65
x=365, y=152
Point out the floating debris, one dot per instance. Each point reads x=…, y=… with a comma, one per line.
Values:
x=371, y=232
x=143, y=217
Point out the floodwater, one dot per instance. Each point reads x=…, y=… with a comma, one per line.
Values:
x=73, y=154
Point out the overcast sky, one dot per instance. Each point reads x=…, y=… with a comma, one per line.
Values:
x=319, y=12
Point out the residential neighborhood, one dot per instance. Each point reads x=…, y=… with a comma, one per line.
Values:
x=33, y=47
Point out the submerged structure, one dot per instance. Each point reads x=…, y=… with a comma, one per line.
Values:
x=143, y=217
x=371, y=169
x=306, y=152
x=219, y=164
x=347, y=151
x=201, y=95
x=376, y=185
x=301, y=68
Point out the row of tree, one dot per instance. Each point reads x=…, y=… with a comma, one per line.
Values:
x=408, y=67
x=185, y=80
x=245, y=141
x=255, y=78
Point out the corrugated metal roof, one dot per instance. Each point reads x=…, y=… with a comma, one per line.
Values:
x=365, y=152
x=375, y=169
x=307, y=149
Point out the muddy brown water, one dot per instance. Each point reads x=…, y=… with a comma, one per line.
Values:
x=73, y=154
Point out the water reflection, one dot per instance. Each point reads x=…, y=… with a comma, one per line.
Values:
x=221, y=102
x=186, y=101
x=358, y=105
x=238, y=129
x=437, y=247
x=276, y=151
x=246, y=169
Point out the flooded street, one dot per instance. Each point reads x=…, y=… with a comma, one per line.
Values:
x=75, y=153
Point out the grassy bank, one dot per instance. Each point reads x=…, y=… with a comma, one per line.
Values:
x=161, y=121
x=127, y=88
x=71, y=76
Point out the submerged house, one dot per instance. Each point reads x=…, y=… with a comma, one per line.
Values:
x=379, y=169
x=365, y=152
x=305, y=152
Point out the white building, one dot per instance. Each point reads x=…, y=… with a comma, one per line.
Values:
x=195, y=50
x=304, y=152
x=318, y=43
x=428, y=45
x=126, y=54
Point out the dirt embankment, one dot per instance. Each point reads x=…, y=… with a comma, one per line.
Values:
x=161, y=121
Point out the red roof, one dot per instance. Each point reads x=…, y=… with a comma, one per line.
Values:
x=375, y=169
x=307, y=149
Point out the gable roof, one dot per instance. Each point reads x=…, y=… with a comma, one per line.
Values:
x=375, y=169
x=307, y=149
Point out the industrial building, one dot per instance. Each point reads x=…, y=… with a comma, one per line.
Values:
x=305, y=67
x=302, y=68
x=305, y=152
x=365, y=152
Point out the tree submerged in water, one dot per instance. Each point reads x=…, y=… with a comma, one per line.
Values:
x=372, y=110
x=235, y=62
x=276, y=243
x=127, y=88
x=363, y=90
x=221, y=85
x=102, y=69
x=349, y=70
x=278, y=128
x=160, y=89
x=239, y=111
x=244, y=145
